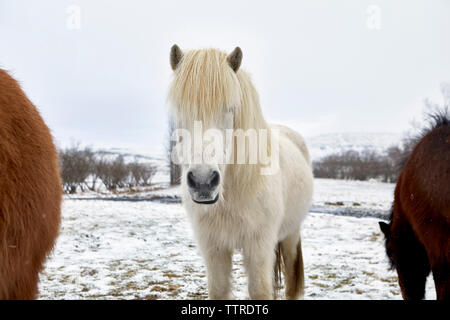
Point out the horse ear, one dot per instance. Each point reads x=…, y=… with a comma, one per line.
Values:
x=235, y=58
x=385, y=228
x=175, y=56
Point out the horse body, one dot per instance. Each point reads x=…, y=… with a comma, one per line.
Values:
x=418, y=237
x=254, y=212
x=30, y=192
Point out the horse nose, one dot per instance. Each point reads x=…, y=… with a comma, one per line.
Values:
x=210, y=182
x=191, y=180
x=215, y=179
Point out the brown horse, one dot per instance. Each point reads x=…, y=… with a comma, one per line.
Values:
x=418, y=236
x=30, y=192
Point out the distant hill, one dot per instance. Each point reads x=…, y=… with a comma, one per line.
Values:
x=326, y=144
x=319, y=146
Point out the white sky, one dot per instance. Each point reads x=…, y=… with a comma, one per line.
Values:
x=316, y=64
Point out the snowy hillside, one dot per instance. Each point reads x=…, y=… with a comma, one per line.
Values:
x=319, y=146
x=156, y=156
x=326, y=144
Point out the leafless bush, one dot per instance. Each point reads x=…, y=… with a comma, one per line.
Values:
x=358, y=165
x=75, y=167
x=140, y=174
x=83, y=168
x=113, y=173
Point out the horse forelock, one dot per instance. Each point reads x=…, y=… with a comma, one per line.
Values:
x=204, y=85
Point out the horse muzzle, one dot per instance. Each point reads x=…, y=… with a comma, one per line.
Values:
x=203, y=188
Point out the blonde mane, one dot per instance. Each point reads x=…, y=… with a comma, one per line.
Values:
x=204, y=85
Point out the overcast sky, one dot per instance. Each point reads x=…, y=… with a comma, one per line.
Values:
x=320, y=66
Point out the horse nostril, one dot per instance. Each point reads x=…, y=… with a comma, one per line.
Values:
x=190, y=180
x=215, y=179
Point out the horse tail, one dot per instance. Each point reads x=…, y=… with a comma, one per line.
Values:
x=277, y=270
x=289, y=260
x=298, y=284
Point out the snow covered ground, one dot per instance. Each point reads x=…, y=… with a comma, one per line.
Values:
x=146, y=250
x=327, y=192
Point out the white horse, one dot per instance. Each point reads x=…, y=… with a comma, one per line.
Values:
x=235, y=206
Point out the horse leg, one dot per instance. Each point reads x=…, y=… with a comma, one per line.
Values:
x=218, y=265
x=441, y=276
x=259, y=261
x=291, y=250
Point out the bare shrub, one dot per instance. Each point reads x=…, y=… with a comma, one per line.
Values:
x=358, y=165
x=82, y=168
x=113, y=173
x=140, y=174
x=75, y=167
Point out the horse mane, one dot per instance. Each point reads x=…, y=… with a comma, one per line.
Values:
x=434, y=120
x=204, y=85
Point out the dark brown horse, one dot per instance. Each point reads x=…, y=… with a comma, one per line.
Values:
x=418, y=236
x=30, y=192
